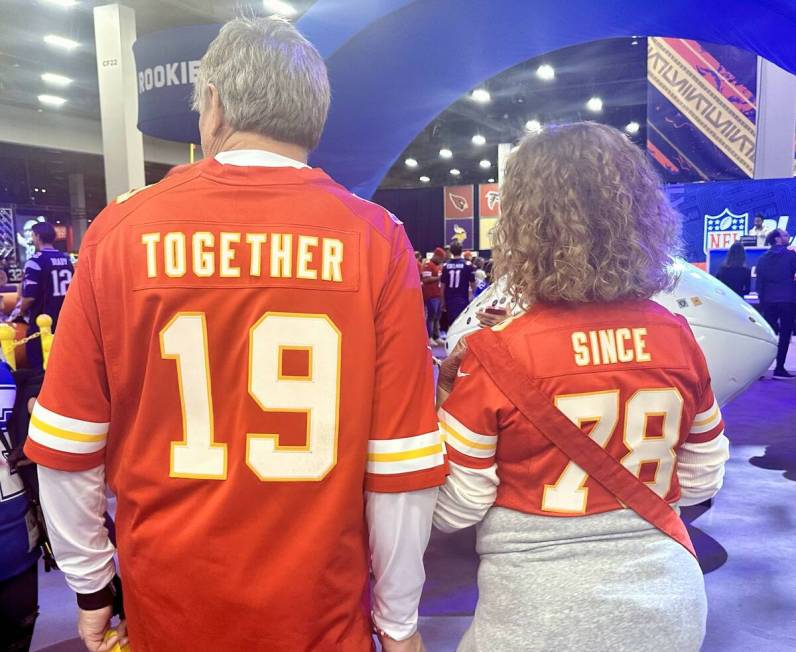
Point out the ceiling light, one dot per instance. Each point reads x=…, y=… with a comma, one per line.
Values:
x=485, y=164
x=56, y=80
x=546, y=72
x=410, y=163
x=634, y=41
x=478, y=139
x=595, y=104
x=280, y=7
x=632, y=127
x=455, y=172
x=481, y=95
x=44, y=189
x=51, y=100
x=491, y=180
x=445, y=153
x=60, y=42
x=425, y=179
x=534, y=126
x=63, y=3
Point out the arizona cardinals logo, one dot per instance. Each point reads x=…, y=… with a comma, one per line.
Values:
x=459, y=203
x=492, y=199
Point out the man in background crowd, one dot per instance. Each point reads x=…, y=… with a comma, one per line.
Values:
x=432, y=294
x=777, y=291
x=47, y=276
x=759, y=231
x=457, y=282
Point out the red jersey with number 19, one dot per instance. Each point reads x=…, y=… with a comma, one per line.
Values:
x=244, y=349
x=629, y=374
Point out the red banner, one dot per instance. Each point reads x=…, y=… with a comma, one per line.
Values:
x=459, y=202
x=488, y=200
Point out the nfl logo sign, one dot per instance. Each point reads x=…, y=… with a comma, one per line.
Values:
x=722, y=230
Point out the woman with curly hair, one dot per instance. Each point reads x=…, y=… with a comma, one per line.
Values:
x=586, y=237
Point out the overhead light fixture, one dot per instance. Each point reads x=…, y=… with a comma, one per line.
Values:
x=445, y=153
x=480, y=95
x=485, y=164
x=424, y=179
x=491, y=180
x=60, y=42
x=595, y=104
x=534, y=126
x=632, y=127
x=280, y=7
x=478, y=139
x=455, y=172
x=51, y=100
x=410, y=163
x=56, y=80
x=634, y=41
x=44, y=189
x=546, y=72
x=63, y=3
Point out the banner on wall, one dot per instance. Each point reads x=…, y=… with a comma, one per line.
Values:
x=701, y=111
x=488, y=212
x=716, y=214
x=459, y=215
x=9, y=256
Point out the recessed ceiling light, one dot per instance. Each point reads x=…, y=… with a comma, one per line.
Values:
x=63, y=3
x=478, y=139
x=455, y=172
x=595, y=104
x=485, y=164
x=534, y=126
x=51, y=100
x=280, y=7
x=632, y=127
x=481, y=95
x=491, y=180
x=445, y=153
x=546, y=72
x=56, y=80
x=44, y=189
x=425, y=179
x=410, y=163
x=60, y=42
x=634, y=41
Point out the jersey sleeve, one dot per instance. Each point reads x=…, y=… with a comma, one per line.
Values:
x=69, y=424
x=470, y=417
x=405, y=451
x=708, y=423
x=31, y=278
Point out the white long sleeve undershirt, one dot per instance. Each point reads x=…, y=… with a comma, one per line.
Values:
x=465, y=497
x=74, y=505
x=700, y=469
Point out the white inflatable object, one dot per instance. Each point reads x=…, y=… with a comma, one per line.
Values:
x=738, y=344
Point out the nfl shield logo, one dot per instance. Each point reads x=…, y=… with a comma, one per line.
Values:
x=722, y=230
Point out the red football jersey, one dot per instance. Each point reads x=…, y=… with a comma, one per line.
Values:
x=629, y=374
x=244, y=349
x=431, y=290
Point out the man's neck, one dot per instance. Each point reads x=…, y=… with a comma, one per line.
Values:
x=248, y=140
x=47, y=247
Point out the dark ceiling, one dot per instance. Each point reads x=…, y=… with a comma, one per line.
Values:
x=614, y=70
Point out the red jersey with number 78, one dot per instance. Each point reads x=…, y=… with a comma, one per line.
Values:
x=244, y=349
x=629, y=374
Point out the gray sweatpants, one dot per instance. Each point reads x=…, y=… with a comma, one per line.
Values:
x=603, y=583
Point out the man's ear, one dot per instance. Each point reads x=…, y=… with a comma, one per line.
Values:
x=215, y=110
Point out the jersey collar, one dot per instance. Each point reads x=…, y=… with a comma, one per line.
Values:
x=257, y=158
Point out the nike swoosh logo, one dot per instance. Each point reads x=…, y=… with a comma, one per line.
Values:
x=461, y=374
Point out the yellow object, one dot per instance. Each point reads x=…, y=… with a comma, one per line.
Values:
x=45, y=324
x=117, y=647
x=7, y=344
x=191, y=153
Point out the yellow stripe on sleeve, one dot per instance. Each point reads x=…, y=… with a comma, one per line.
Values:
x=405, y=455
x=464, y=440
x=708, y=419
x=65, y=434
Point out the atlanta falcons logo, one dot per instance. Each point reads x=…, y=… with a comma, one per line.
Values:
x=459, y=203
x=492, y=199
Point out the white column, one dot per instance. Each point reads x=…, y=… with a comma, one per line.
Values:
x=122, y=143
x=776, y=121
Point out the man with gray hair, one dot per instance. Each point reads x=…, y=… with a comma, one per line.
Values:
x=242, y=357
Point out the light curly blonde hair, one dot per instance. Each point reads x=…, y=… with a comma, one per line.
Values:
x=583, y=219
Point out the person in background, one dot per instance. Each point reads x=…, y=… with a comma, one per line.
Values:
x=759, y=231
x=734, y=273
x=419, y=259
x=47, y=276
x=19, y=552
x=248, y=290
x=432, y=294
x=5, y=286
x=458, y=281
x=777, y=292
x=564, y=564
